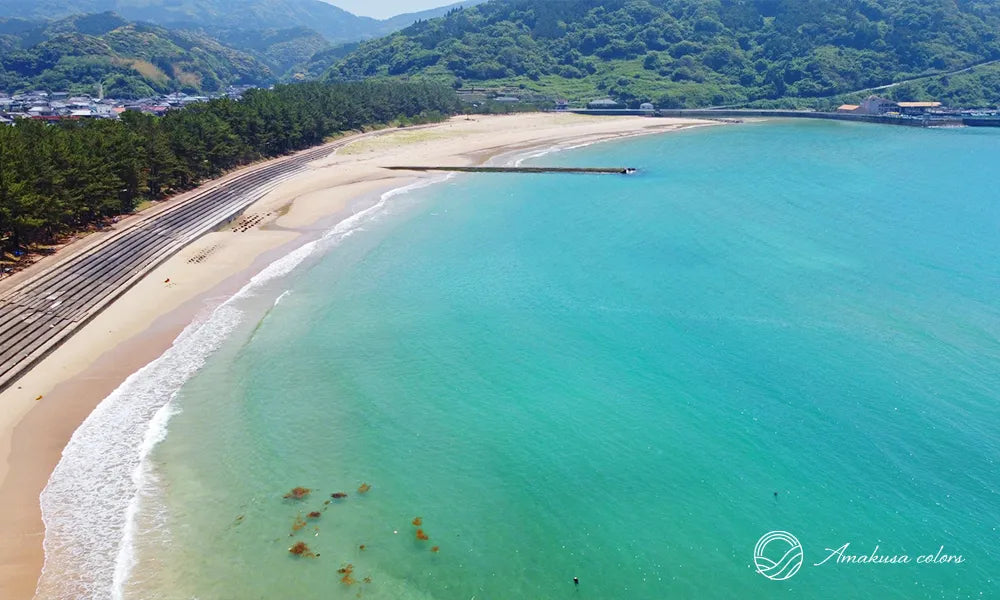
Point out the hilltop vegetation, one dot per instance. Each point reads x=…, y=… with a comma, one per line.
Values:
x=687, y=52
x=284, y=51
x=208, y=15
x=60, y=178
x=232, y=41
x=218, y=16
x=131, y=59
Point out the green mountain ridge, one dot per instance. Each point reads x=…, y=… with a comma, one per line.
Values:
x=295, y=39
x=215, y=16
x=208, y=15
x=283, y=50
x=685, y=53
x=129, y=59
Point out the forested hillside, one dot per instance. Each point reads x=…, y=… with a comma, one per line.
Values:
x=293, y=39
x=209, y=15
x=132, y=60
x=284, y=51
x=688, y=52
x=59, y=178
x=217, y=16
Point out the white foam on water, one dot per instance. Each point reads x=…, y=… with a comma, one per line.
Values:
x=518, y=160
x=278, y=300
x=90, y=492
x=91, y=503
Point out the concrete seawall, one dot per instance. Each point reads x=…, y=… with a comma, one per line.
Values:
x=794, y=114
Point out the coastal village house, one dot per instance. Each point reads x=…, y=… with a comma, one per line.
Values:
x=603, y=104
x=917, y=108
x=875, y=105
x=55, y=106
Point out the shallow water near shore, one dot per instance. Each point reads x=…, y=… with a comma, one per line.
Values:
x=610, y=377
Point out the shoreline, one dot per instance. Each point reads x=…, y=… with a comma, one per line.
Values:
x=144, y=322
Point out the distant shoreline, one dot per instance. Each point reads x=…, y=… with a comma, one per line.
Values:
x=44, y=407
x=750, y=113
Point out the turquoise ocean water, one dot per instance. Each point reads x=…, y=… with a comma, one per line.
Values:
x=609, y=378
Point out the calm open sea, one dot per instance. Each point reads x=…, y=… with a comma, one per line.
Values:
x=594, y=376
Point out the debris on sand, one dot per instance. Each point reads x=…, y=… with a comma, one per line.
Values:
x=298, y=493
x=301, y=549
x=346, y=571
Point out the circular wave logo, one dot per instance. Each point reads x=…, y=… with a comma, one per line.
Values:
x=778, y=555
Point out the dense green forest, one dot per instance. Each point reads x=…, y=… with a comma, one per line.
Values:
x=216, y=17
x=285, y=51
x=190, y=47
x=132, y=60
x=209, y=15
x=686, y=53
x=676, y=53
x=60, y=178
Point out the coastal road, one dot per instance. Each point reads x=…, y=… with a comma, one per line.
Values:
x=42, y=312
x=882, y=87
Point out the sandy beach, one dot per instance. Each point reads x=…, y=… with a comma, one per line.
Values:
x=40, y=412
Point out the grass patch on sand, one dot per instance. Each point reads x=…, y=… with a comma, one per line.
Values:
x=396, y=139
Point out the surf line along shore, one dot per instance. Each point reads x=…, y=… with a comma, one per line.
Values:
x=41, y=409
x=530, y=170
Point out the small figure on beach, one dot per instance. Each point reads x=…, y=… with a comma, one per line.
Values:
x=364, y=488
x=338, y=495
x=576, y=581
x=417, y=522
x=315, y=515
x=422, y=536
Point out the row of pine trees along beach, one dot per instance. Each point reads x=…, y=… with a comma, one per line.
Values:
x=56, y=179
